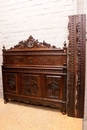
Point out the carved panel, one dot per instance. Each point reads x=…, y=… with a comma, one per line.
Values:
x=31, y=85
x=53, y=86
x=36, y=60
x=11, y=82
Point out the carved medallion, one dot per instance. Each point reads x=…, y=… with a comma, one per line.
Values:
x=30, y=44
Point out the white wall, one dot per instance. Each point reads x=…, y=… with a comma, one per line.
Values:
x=43, y=19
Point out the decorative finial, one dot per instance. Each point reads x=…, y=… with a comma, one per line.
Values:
x=3, y=47
x=65, y=44
x=65, y=48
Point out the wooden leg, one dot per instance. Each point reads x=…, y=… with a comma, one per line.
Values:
x=64, y=112
x=63, y=109
x=5, y=101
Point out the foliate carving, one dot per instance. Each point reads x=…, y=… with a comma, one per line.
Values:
x=11, y=82
x=45, y=103
x=53, y=86
x=30, y=43
x=30, y=85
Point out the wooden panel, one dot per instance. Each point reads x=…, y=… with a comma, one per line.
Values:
x=10, y=82
x=31, y=85
x=53, y=87
x=36, y=60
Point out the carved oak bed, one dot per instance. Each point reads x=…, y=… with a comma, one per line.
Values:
x=38, y=73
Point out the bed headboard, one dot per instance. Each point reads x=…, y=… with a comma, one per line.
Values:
x=36, y=72
x=26, y=54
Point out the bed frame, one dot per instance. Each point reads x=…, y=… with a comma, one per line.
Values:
x=38, y=73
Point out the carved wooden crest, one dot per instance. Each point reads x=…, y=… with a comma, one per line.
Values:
x=32, y=43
